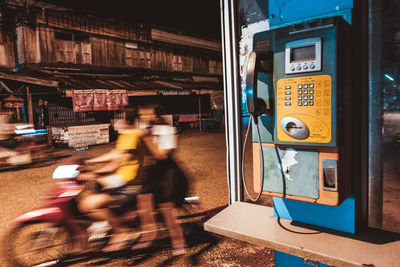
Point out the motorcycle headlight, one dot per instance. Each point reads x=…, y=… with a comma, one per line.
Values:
x=66, y=172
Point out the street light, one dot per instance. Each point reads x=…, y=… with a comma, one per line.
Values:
x=389, y=77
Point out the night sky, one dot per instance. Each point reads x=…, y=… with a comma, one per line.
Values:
x=200, y=18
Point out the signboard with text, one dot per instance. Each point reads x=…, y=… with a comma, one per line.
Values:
x=99, y=99
x=88, y=135
x=82, y=135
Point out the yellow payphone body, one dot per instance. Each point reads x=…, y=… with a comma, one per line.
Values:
x=310, y=101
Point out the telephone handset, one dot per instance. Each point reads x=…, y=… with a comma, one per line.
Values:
x=259, y=61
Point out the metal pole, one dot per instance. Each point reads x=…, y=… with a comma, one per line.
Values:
x=30, y=109
x=232, y=99
x=375, y=168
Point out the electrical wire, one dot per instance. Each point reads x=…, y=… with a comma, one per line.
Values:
x=262, y=162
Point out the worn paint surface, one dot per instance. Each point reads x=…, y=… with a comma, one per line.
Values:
x=246, y=47
x=288, y=170
x=288, y=161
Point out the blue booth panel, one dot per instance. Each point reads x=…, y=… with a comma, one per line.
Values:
x=341, y=218
x=287, y=260
x=282, y=13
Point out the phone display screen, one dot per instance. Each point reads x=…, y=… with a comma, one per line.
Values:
x=305, y=53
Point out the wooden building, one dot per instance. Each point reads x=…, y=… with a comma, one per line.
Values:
x=48, y=52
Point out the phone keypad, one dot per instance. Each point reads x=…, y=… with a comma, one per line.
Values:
x=303, y=94
x=309, y=94
x=309, y=99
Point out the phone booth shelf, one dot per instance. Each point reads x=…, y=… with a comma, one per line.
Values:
x=257, y=224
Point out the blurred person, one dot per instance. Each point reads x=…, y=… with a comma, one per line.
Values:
x=125, y=163
x=6, y=131
x=166, y=184
x=37, y=114
x=44, y=114
x=4, y=127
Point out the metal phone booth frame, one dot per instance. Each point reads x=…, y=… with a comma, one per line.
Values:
x=310, y=242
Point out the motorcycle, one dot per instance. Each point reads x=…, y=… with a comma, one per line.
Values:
x=26, y=146
x=42, y=237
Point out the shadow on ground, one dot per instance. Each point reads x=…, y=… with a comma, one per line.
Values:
x=199, y=242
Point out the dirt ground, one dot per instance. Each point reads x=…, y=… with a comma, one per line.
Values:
x=391, y=187
x=202, y=157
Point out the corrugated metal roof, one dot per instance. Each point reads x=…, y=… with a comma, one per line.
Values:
x=131, y=83
x=166, y=81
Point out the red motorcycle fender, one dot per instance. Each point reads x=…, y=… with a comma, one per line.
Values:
x=50, y=214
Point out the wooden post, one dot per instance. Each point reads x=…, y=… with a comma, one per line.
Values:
x=30, y=109
x=199, y=112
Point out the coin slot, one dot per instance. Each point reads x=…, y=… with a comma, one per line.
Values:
x=295, y=128
x=291, y=127
x=329, y=175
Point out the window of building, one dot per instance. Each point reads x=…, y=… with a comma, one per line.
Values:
x=184, y=63
x=148, y=59
x=3, y=55
x=142, y=58
x=219, y=67
x=79, y=37
x=86, y=53
x=174, y=63
x=73, y=48
x=69, y=56
x=67, y=36
x=60, y=56
x=136, y=59
x=189, y=64
x=131, y=54
x=180, y=63
x=212, y=66
x=129, y=57
x=63, y=36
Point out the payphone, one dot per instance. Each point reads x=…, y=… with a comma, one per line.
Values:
x=297, y=89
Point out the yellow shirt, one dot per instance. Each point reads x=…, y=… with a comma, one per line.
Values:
x=129, y=141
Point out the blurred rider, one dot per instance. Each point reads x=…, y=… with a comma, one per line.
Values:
x=126, y=160
x=165, y=184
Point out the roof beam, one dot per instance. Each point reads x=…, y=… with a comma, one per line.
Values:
x=68, y=92
x=4, y=86
x=28, y=79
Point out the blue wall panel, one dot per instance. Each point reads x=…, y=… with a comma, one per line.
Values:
x=286, y=12
x=341, y=218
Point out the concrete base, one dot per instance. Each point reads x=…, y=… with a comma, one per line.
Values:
x=256, y=224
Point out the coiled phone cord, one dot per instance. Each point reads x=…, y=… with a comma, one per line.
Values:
x=262, y=162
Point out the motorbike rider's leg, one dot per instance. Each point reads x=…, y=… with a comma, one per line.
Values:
x=79, y=238
x=146, y=211
x=96, y=206
x=178, y=241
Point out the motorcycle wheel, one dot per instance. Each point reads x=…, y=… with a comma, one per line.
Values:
x=35, y=244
